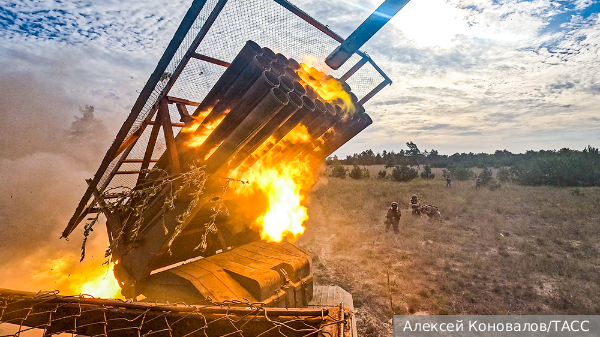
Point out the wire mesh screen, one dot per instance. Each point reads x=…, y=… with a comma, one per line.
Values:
x=47, y=313
x=150, y=105
x=266, y=22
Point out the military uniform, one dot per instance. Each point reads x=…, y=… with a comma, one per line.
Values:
x=393, y=219
x=448, y=182
x=415, y=205
x=432, y=212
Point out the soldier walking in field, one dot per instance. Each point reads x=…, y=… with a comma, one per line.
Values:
x=432, y=212
x=478, y=183
x=393, y=218
x=448, y=181
x=415, y=205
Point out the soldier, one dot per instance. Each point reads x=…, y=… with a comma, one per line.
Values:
x=432, y=212
x=393, y=218
x=415, y=205
x=478, y=183
x=448, y=181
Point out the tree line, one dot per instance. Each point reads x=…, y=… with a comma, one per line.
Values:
x=564, y=167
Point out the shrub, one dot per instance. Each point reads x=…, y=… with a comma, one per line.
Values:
x=461, y=172
x=493, y=185
x=503, y=175
x=404, y=173
x=486, y=176
x=356, y=172
x=426, y=174
x=339, y=171
x=365, y=173
x=576, y=192
x=382, y=174
x=558, y=170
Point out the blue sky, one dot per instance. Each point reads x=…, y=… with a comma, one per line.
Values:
x=469, y=75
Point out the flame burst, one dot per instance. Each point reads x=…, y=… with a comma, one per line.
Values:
x=284, y=187
x=102, y=285
x=327, y=87
x=197, y=137
x=283, y=184
x=73, y=278
x=277, y=183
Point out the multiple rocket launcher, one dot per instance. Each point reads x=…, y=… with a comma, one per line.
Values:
x=261, y=98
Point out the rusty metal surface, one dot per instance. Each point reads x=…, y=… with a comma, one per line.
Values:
x=258, y=272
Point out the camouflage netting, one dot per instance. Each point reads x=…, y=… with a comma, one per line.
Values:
x=47, y=313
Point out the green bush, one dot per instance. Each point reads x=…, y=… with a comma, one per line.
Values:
x=493, y=185
x=339, y=171
x=365, y=173
x=382, y=174
x=576, y=192
x=559, y=170
x=356, y=172
x=503, y=175
x=486, y=176
x=404, y=173
x=426, y=174
x=461, y=172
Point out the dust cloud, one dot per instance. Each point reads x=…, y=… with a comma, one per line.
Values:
x=51, y=140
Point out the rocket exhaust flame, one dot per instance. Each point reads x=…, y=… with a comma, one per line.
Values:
x=87, y=278
x=199, y=137
x=269, y=121
x=327, y=87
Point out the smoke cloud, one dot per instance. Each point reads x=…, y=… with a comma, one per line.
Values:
x=57, y=123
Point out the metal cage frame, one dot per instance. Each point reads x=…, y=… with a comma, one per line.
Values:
x=179, y=52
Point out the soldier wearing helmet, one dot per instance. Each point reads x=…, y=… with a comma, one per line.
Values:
x=393, y=218
x=415, y=205
x=432, y=212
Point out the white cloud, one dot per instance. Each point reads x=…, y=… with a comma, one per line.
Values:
x=476, y=65
x=583, y=4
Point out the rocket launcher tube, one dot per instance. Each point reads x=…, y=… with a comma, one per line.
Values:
x=275, y=123
x=251, y=97
x=232, y=72
x=268, y=107
x=307, y=106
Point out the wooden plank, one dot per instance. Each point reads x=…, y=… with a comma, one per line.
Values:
x=163, y=114
x=112, y=152
x=138, y=160
x=128, y=142
x=148, y=153
x=86, y=211
x=128, y=172
x=112, y=220
x=183, y=113
x=210, y=59
x=172, y=99
x=172, y=124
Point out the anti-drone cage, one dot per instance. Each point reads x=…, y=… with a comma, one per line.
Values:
x=209, y=37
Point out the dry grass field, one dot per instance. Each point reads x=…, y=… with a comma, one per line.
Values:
x=516, y=250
